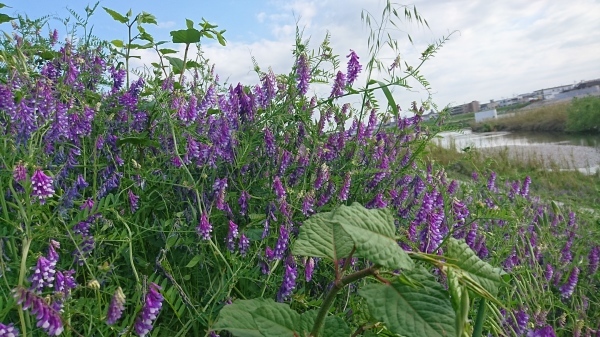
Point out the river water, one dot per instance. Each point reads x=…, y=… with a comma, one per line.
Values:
x=567, y=152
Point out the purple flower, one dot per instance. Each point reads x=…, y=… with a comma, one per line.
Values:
x=133, y=201
x=303, y=73
x=45, y=270
x=345, y=190
x=282, y=243
x=525, y=186
x=20, y=173
x=47, y=318
x=219, y=187
x=377, y=202
x=548, y=272
x=491, y=184
x=322, y=177
x=593, y=259
x=42, y=186
x=338, y=85
x=116, y=307
x=231, y=236
x=269, y=142
x=354, y=67
x=289, y=280
x=244, y=244
x=566, y=290
x=243, y=202
x=87, y=204
x=204, y=227
x=545, y=331
x=8, y=330
x=309, y=268
x=278, y=188
x=452, y=187
x=307, y=204
x=150, y=310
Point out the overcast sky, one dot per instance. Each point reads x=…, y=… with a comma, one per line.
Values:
x=500, y=48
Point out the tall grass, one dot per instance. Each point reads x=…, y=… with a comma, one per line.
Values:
x=551, y=118
x=549, y=181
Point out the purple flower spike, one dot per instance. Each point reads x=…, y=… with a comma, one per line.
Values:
x=152, y=306
x=133, y=201
x=354, y=67
x=282, y=243
x=546, y=331
x=566, y=290
x=42, y=186
x=243, y=202
x=116, y=307
x=278, y=188
x=289, y=280
x=204, y=227
x=231, y=236
x=244, y=245
x=303, y=73
x=338, y=85
x=20, y=173
x=8, y=330
x=47, y=318
x=309, y=268
x=345, y=190
x=491, y=184
x=525, y=187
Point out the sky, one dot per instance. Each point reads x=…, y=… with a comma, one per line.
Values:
x=496, y=49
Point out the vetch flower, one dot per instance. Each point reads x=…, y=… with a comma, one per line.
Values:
x=282, y=243
x=116, y=307
x=338, y=85
x=133, y=201
x=289, y=280
x=525, y=186
x=309, y=268
x=150, y=310
x=42, y=186
x=303, y=74
x=244, y=244
x=47, y=318
x=231, y=236
x=8, y=330
x=345, y=190
x=566, y=290
x=593, y=259
x=354, y=67
x=204, y=227
x=278, y=188
x=243, y=202
x=20, y=173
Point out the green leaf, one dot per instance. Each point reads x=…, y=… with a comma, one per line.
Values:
x=259, y=318
x=194, y=261
x=186, y=36
x=221, y=39
x=322, y=237
x=420, y=312
x=471, y=267
x=276, y=319
x=390, y=98
x=147, y=18
x=373, y=233
x=118, y=43
x=165, y=51
x=189, y=24
x=335, y=327
x=5, y=18
x=116, y=16
x=176, y=62
x=138, y=141
x=237, y=318
x=3, y=5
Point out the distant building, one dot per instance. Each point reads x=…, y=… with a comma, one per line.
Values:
x=549, y=93
x=465, y=108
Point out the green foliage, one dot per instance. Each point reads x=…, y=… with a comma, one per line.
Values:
x=422, y=310
x=584, y=115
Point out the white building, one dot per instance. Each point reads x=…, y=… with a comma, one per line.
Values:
x=549, y=93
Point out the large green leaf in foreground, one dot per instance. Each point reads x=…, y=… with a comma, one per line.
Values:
x=333, y=234
x=423, y=311
x=471, y=266
x=266, y=318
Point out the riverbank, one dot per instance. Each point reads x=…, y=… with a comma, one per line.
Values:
x=544, y=164
x=549, y=118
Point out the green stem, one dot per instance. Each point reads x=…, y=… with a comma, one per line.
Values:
x=479, y=319
x=337, y=286
x=187, y=47
x=22, y=272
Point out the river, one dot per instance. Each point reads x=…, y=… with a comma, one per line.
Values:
x=567, y=152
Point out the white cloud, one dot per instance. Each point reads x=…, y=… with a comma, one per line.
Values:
x=166, y=24
x=501, y=48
